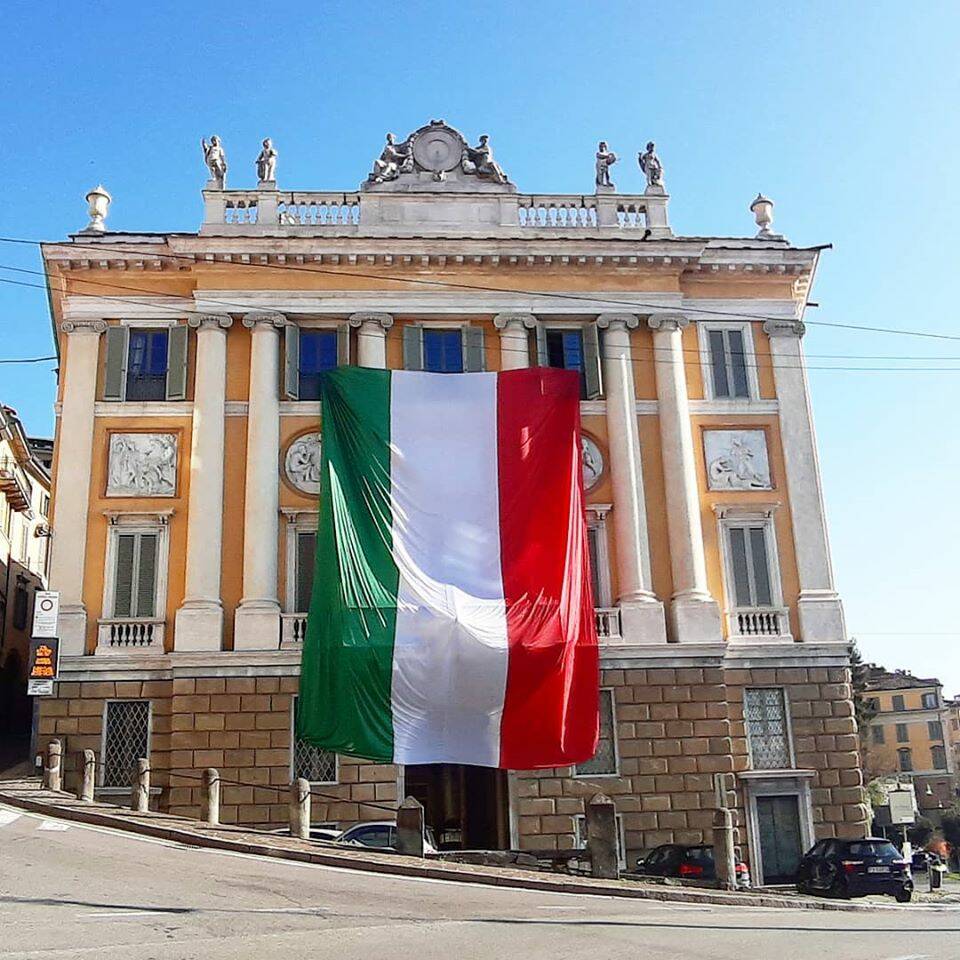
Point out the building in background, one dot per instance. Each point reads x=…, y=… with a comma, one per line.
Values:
x=189, y=395
x=912, y=735
x=24, y=541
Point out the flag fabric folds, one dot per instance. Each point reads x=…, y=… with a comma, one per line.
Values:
x=451, y=619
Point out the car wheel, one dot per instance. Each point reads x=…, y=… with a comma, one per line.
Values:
x=903, y=895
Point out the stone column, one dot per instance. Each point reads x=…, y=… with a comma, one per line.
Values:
x=199, y=624
x=257, y=623
x=514, y=339
x=694, y=614
x=820, y=610
x=372, y=338
x=74, y=460
x=641, y=613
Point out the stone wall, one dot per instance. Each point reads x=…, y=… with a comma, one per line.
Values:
x=239, y=725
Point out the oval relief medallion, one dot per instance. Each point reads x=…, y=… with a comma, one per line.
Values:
x=301, y=464
x=592, y=462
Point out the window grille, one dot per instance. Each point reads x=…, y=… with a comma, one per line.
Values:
x=604, y=761
x=766, y=717
x=126, y=739
x=310, y=762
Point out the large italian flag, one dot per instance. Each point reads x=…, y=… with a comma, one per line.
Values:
x=452, y=618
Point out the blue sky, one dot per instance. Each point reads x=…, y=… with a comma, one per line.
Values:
x=844, y=113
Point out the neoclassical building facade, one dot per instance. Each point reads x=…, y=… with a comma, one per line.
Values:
x=186, y=478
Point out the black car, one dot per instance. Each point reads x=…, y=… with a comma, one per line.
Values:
x=855, y=868
x=688, y=862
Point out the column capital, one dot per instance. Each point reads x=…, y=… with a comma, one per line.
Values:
x=784, y=328
x=667, y=321
x=264, y=318
x=622, y=321
x=210, y=321
x=384, y=319
x=83, y=326
x=502, y=320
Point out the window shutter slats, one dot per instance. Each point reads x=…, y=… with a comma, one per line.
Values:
x=761, y=567
x=306, y=559
x=543, y=357
x=591, y=361
x=718, y=364
x=343, y=345
x=738, y=363
x=177, y=363
x=741, y=575
x=412, y=347
x=116, y=363
x=147, y=576
x=291, y=361
x=123, y=576
x=473, y=357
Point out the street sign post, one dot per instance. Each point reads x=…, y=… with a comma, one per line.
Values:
x=46, y=608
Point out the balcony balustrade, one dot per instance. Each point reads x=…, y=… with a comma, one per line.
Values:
x=759, y=623
x=130, y=635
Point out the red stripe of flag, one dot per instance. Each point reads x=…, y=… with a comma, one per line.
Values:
x=550, y=714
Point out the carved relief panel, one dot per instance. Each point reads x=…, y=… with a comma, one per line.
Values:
x=301, y=464
x=142, y=465
x=737, y=460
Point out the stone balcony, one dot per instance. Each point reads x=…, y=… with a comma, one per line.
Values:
x=15, y=485
x=130, y=635
x=758, y=623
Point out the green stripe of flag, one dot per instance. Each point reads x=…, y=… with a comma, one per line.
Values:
x=347, y=663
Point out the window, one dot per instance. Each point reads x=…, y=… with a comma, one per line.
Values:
x=878, y=736
x=573, y=348
x=726, y=349
x=898, y=702
x=580, y=837
x=604, y=761
x=312, y=763
x=750, y=565
x=939, y=757
x=126, y=738
x=934, y=729
x=599, y=559
x=146, y=363
x=306, y=556
x=135, y=575
x=903, y=735
x=905, y=759
x=929, y=701
x=764, y=709
x=318, y=353
x=439, y=350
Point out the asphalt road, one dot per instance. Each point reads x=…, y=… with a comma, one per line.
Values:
x=71, y=891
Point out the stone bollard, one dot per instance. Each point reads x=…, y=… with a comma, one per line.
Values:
x=602, y=838
x=300, y=809
x=140, y=788
x=410, y=831
x=89, y=776
x=211, y=796
x=53, y=771
x=723, y=852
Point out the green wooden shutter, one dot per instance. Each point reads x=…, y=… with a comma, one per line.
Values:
x=177, y=363
x=116, y=372
x=147, y=576
x=542, y=360
x=412, y=347
x=123, y=576
x=291, y=365
x=473, y=356
x=591, y=361
x=306, y=559
x=343, y=345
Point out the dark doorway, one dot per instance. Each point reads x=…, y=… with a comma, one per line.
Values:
x=780, y=845
x=467, y=807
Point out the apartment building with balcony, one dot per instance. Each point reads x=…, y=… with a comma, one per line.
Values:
x=24, y=542
x=187, y=468
x=912, y=735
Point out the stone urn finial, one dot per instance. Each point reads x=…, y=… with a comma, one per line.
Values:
x=98, y=203
x=762, y=210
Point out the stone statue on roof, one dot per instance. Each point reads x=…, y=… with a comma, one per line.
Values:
x=479, y=160
x=267, y=163
x=651, y=166
x=606, y=158
x=216, y=160
x=396, y=158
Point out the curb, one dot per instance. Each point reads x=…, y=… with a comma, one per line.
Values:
x=407, y=868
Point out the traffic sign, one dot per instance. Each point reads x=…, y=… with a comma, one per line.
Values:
x=43, y=666
x=46, y=608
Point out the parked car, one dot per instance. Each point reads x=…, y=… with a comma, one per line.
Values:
x=855, y=868
x=920, y=861
x=381, y=835
x=316, y=833
x=688, y=862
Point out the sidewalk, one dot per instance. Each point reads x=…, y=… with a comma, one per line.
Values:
x=27, y=794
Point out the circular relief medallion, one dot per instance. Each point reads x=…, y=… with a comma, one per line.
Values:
x=301, y=464
x=438, y=149
x=592, y=462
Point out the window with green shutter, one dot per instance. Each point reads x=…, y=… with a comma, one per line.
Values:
x=135, y=575
x=440, y=350
x=573, y=348
x=146, y=363
x=306, y=557
x=750, y=566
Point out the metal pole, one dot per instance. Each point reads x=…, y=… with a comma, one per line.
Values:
x=140, y=794
x=211, y=796
x=89, y=776
x=300, y=809
x=52, y=771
